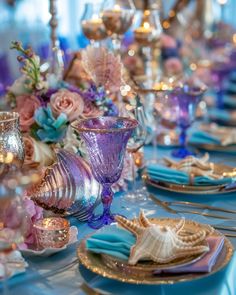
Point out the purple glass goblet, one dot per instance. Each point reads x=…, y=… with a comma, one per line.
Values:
x=185, y=99
x=106, y=139
x=220, y=72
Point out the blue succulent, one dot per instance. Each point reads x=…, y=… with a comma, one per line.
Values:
x=50, y=129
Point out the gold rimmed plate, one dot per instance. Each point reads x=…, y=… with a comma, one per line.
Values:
x=95, y=262
x=185, y=189
x=215, y=147
x=218, y=169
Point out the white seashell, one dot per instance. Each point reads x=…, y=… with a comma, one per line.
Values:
x=161, y=244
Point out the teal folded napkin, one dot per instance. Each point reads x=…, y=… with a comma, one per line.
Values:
x=162, y=173
x=219, y=114
x=113, y=241
x=231, y=87
x=230, y=101
x=203, y=137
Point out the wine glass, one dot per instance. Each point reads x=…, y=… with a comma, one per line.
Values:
x=136, y=141
x=181, y=108
x=92, y=24
x=147, y=36
x=118, y=17
x=106, y=139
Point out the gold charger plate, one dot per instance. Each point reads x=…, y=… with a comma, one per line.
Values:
x=95, y=263
x=184, y=189
x=220, y=169
x=215, y=147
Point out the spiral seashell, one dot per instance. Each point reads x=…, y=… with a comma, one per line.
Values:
x=67, y=187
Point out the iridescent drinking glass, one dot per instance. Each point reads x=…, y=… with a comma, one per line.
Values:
x=106, y=139
x=184, y=100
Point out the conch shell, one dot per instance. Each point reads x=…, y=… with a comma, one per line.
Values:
x=67, y=187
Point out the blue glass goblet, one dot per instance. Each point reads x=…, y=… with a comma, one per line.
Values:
x=185, y=99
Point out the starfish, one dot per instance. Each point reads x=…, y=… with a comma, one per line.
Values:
x=161, y=243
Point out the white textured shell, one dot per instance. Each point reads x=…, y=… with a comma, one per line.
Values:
x=161, y=244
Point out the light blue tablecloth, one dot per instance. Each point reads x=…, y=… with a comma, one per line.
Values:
x=70, y=281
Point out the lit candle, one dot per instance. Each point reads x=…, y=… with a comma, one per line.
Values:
x=52, y=232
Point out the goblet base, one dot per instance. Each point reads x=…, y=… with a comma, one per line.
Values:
x=98, y=221
x=182, y=153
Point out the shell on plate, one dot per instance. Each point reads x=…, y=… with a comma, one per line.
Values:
x=161, y=244
x=67, y=187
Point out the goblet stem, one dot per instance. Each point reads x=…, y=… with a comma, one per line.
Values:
x=182, y=137
x=182, y=152
x=220, y=98
x=107, y=196
x=106, y=218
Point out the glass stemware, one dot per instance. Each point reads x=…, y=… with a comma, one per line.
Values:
x=92, y=24
x=106, y=139
x=136, y=141
x=118, y=17
x=184, y=99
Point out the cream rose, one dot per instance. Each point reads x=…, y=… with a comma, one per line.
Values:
x=37, y=152
x=67, y=102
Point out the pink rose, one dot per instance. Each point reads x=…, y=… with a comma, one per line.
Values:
x=26, y=105
x=168, y=41
x=173, y=66
x=90, y=110
x=67, y=102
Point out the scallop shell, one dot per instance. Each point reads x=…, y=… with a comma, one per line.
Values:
x=104, y=68
x=67, y=187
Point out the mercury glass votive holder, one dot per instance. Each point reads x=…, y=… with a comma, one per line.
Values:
x=52, y=232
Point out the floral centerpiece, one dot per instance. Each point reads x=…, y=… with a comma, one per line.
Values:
x=46, y=110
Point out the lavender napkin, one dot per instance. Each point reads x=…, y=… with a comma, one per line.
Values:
x=202, y=265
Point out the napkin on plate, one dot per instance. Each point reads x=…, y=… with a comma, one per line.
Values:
x=111, y=240
x=162, y=173
x=230, y=101
x=220, y=115
x=214, y=134
x=204, y=137
x=117, y=242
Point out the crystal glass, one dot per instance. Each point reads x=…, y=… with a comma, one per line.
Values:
x=106, y=139
x=92, y=24
x=117, y=17
x=11, y=144
x=219, y=73
x=136, y=141
x=183, y=101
